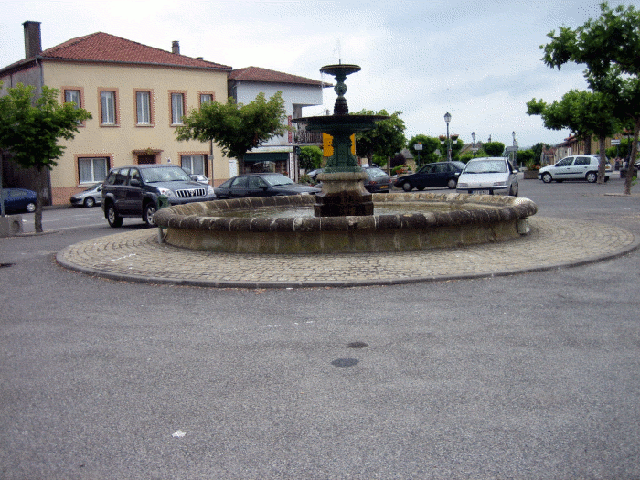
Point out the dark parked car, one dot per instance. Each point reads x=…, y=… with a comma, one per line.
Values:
x=625, y=167
x=262, y=185
x=441, y=174
x=90, y=197
x=377, y=181
x=314, y=173
x=139, y=190
x=19, y=200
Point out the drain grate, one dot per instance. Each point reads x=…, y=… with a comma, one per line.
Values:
x=6, y=265
x=357, y=345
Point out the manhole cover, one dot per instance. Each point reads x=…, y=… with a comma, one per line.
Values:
x=345, y=362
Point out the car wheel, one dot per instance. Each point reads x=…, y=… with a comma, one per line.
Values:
x=115, y=220
x=452, y=183
x=513, y=191
x=592, y=177
x=89, y=202
x=546, y=178
x=406, y=186
x=31, y=207
x=147, y=214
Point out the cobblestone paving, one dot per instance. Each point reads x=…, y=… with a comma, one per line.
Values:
x=552, y=243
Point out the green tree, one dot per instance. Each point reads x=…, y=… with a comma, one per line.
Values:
x=30, y=128
x=493, y=149
x=609, y=46
x=537, y=151
x=236, y=127
x=384, y=140
x=527, y=157
x=586, y=113
x=429, y=147
x=310, y=157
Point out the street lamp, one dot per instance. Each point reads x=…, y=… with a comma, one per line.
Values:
x=473, y=148
x=447, y=120
x=515, y=150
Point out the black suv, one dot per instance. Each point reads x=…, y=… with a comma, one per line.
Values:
x=139, y=190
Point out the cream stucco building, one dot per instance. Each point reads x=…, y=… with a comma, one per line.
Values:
x=136, y=95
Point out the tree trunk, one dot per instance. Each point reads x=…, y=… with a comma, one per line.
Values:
x=43, y=195
x=603, y=158
x=628, y=180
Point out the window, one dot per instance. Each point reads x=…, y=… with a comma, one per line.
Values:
x=72, y=96
x=194, y=164
x=108, y=107
x=206, y=98
x=93, y=169
x=143, y=108
x=177, y=108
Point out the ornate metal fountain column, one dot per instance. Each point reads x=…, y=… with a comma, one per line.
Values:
x=343, y=192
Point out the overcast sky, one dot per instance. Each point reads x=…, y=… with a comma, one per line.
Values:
x=478, y=60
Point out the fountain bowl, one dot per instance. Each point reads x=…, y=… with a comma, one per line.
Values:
x=232, y=226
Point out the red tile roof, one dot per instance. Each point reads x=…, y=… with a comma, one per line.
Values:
x=102, y=47
x=255, y=74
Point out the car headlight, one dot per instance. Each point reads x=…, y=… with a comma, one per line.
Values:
x=210, y=190
x=165, y=191
x=462, y=185
x=500, y=184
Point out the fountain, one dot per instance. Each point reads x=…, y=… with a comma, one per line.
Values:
x=343, y=193
x=344, y=217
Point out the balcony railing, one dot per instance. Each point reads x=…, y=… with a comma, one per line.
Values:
x=302, y=137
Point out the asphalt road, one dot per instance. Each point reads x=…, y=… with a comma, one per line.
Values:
x=528, y=376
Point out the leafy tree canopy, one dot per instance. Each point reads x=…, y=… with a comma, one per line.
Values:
x=493, y=149
x=236, y=127
x=30, y=129
x=429, y=146
x=385, y=139
x=609, y=46
x=310, y=157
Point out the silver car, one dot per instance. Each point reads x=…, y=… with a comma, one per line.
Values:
x=88, y=198
x=489, y=176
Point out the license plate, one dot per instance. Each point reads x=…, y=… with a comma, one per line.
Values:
x=482, y=192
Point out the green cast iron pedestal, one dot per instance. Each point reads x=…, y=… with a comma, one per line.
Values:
x=343, y=192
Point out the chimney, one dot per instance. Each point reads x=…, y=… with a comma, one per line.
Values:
x=175, y=47
x=32, y=42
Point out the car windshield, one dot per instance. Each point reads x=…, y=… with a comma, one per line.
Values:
x=164, y=174
x=486, y=166
x=277, y=180
x=375, y=173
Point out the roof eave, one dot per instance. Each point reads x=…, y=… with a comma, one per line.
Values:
x=146, y=64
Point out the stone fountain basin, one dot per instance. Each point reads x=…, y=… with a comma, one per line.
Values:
x=456, y=219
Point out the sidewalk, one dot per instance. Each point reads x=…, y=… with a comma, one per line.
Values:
x=553, y=243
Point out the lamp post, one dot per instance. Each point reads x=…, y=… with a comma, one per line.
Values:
x=515, y=150
x=473, y=148
x=447, y=120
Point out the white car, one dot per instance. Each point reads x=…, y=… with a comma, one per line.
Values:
x=576, y=167
x=489, y=176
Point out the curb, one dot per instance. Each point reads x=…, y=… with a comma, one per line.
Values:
x=138, y=257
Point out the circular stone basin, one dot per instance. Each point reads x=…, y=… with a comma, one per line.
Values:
x=403, y=221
